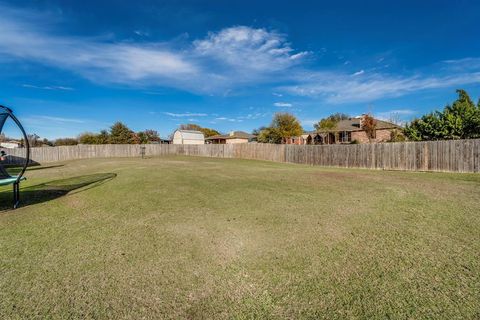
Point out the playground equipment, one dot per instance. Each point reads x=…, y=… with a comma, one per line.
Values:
x=5, y=177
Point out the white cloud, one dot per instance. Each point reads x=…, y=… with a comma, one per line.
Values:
x=253, y=116
x=403, y=112
x=224, y=60
x=248, y=49
x=92, y=58
x=228, y=119
x=397, y=116
x=231, y=57
x=47, y=87
x=141, y=33
x=308, y=122
x=41, y=119
x=342, y=88
x=187, y=114
x=283, y=104
x=59, y=119
x=461, y=65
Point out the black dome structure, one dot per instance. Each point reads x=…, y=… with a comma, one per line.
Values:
x=5, y=177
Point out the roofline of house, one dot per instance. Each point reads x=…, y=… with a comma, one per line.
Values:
x=227, y=137
x=356, y=130
x=189, y=131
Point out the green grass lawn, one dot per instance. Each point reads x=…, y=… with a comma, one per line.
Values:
x=180, y=237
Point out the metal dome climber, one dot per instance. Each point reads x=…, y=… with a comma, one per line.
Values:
x=5, y=177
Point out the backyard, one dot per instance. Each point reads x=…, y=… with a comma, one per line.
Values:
x=190, y=237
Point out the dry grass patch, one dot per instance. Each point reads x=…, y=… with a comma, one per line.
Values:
x=180, y=237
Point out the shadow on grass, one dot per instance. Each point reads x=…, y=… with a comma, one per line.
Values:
x=14, y=170
x=54, y=189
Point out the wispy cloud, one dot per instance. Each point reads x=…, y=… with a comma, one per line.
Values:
x=187, y=114
x=342, y=88
x=308, y=122
x=38, y=118
x=253, y=116
x=23, y=36
x=283, y=104
x=228, y=119
x=398, y=116
x=47, y=87
x=403, y=112
x=219, y=62
x=233, y=56
x=141, y=33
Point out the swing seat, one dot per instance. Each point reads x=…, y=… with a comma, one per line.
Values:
x=10, y=180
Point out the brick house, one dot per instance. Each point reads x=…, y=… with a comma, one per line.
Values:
x=296, y=140
x=231, y=138
x=348, y=131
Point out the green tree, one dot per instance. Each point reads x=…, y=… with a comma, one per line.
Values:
x=148, y=136
x=87, y=138
x=66, y=142
x=330, y=122
x=207, y=132
x=285, y=125
x=268, y=135
x=103, y=137
x=461, y=120
x=121, y=134
x=142, y=137
x=152, y=135
x=190, y=126
x=257, y=131
x=396, y=136
x=46, y=142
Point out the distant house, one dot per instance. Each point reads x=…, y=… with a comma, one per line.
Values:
x=297, y=140
x=347, y=131
x=351, y=130
x=232, y=137
x=12, y=144
x=188, y=137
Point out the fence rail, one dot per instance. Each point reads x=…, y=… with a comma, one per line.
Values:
x=452, y=155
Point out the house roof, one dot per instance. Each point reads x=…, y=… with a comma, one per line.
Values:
x=353, y=124
x=233, y=135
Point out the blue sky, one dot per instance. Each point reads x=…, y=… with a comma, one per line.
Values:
x=68, y=67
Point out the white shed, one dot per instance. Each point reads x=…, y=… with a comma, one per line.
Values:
x=10, y=144
x=188, y=137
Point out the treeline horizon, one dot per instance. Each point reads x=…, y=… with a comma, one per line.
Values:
x=460, y=120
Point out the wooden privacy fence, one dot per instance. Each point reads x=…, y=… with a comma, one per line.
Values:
x=452, y=155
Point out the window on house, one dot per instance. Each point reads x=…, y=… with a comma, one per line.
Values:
x=345, y=136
